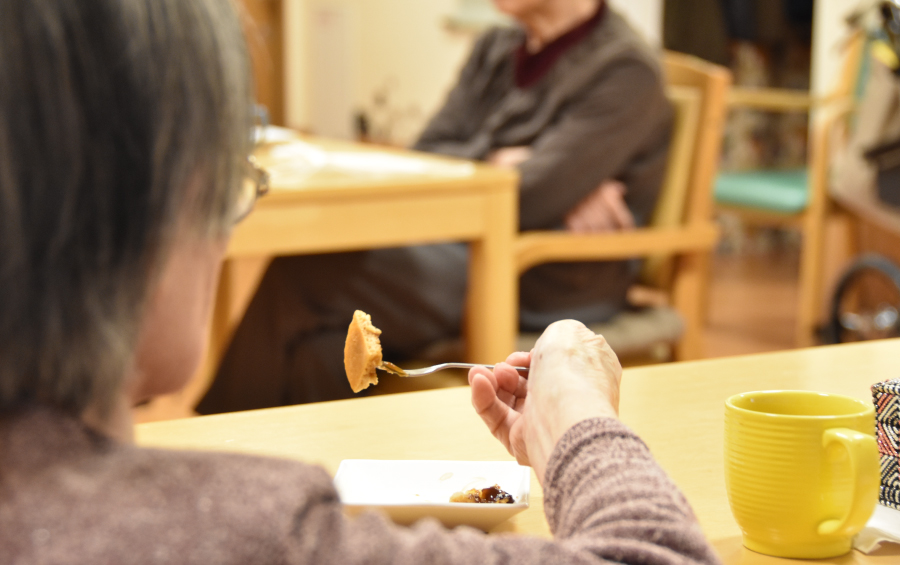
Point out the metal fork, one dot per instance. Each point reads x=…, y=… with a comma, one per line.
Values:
x=391, y=368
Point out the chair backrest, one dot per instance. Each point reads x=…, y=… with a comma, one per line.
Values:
x=699, y=93
x=713, y=82
x=675, y=192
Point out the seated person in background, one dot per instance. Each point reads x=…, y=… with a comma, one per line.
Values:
x=126, y=129
x=575, y=101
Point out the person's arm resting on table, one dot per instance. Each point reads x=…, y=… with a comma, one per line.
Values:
x=604, y=210
x=445, y=132
x=605, y=498
x=591, y=143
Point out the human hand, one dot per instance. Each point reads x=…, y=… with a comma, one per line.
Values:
x=603, y=210
x=573, y=376
x=509, y=157
x=499, y=398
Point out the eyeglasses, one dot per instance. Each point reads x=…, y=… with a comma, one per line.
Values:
x=254, y=184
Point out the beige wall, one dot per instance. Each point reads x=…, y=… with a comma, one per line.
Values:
x=645, y=15
x=829, y=30
x=398, y=45
x=295, y=99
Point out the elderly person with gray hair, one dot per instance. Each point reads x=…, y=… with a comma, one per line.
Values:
x=573, y=99
x=124, y=135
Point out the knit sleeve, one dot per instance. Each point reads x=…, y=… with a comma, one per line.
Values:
x=607, y=501
x=603, y=487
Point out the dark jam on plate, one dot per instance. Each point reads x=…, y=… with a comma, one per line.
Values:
x=490, y=495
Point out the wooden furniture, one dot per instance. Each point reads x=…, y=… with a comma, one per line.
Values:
x=329, y=196
x=682, y=227
x=678, y=409
x=873, y=227
x=864, y=223
x=794, y=198
x=264, y=29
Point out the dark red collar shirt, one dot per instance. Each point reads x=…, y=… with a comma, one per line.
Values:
x=531, y=67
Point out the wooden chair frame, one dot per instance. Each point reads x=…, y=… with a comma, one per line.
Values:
x=691, y=241
x=811, y=221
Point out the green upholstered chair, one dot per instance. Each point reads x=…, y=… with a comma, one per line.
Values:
x=785, y=192
x=795, y=198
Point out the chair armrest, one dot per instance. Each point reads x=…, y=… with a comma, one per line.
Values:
x=771, y=99
x=537, y=247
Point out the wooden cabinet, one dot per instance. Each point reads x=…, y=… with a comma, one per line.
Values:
x=265, y=36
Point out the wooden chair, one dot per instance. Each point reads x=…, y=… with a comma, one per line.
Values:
x=793, y=198
x=681, y=234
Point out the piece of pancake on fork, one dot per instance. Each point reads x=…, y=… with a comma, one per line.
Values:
x=362, y=352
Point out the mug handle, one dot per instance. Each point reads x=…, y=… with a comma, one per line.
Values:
x=863, y=453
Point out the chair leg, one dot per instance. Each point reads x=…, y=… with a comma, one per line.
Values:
x=811, y=273
x=688, y=299
x=705, y=277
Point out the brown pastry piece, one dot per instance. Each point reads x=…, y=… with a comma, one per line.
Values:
x=362, y=352
x=490, y=495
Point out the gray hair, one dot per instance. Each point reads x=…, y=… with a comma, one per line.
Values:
x=118, y=120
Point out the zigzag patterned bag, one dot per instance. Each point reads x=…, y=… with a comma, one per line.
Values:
x=887, y=422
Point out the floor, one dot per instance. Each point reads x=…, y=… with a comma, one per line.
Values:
x=753, y=298
x=753, y=294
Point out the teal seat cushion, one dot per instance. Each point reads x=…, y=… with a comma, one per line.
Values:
x=775, y=191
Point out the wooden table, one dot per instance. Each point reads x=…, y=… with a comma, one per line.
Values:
x=332, y=196
x=678, y=409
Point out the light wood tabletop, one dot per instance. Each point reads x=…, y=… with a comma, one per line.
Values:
x=678, y=409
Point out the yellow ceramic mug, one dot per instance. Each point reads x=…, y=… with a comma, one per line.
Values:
x=801, y=469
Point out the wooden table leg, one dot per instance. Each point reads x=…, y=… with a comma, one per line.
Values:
x=493, y=302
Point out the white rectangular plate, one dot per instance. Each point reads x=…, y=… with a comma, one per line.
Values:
x=409, y=490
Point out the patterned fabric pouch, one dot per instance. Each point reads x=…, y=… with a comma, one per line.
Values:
x=887, y=422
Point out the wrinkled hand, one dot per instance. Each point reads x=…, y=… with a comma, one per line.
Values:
x=603, y=210
x=573, y=376
x=509, y=157
x=499, y=398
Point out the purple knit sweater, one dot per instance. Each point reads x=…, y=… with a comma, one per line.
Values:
x=68, y=495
